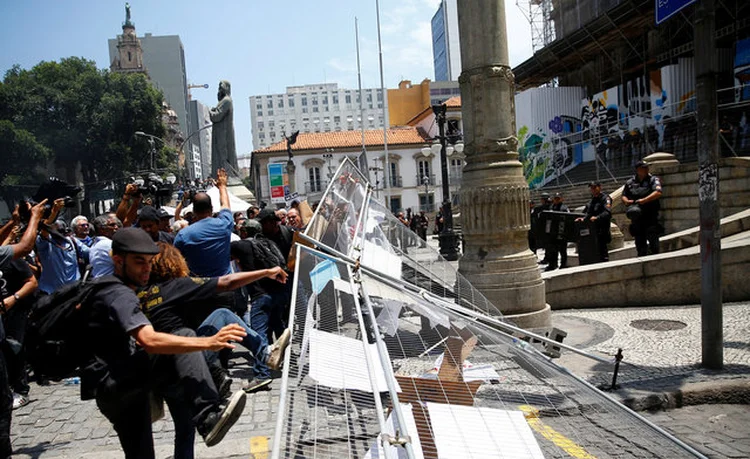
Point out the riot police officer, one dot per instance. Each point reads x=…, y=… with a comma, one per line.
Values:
x=559, y=245
x=536, y=213
x=641, y=194
x=599, y=212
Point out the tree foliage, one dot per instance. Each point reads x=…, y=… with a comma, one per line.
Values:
x=70, y=111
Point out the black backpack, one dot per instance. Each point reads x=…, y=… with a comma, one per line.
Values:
x=266, y=253
x=56, y=343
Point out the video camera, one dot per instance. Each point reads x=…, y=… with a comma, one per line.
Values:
x=152, y=185
x=51, y=191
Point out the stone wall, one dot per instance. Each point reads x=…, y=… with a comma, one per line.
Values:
x=665, y=279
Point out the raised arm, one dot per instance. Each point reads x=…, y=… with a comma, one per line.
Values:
x=221, y=183
x=26, y=244
x=12, y=223
x=155, y=342
x=236, y=280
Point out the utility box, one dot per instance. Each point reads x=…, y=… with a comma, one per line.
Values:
x=554, y=226
x=587, y=240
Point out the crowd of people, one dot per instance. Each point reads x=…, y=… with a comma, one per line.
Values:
x=163, y=288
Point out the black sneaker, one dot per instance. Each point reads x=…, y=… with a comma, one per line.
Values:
x=277, y=351
x=255, y=384
x=218, y=423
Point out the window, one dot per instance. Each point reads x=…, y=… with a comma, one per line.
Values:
x=271, y=124
x=280, y=103
x=270, y=112
x=130, y=57
x=336, y=119
x=259, y=106
x=380, y=96
x=262, y=135
x=325, y=100
x=315, y=185
x=369, y=97
x=315, y=101
x=304, y=109
x=395, y=179
x=290, y=102
x=348, y=98
x=335, y=98
x=424, y=170
x=260, y=112
x=260, y=125
x=304, y=101
x=269, y=104
x=315, y=109
x=427, y=202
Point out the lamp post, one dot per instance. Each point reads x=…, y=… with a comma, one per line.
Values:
x=448, y=239
x=290, y=168
x=152, y=145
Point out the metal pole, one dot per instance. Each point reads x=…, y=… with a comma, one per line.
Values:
x=447, y=236
x=708, y=185
x=387, y=166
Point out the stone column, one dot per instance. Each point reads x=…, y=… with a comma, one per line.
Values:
x=494, y=193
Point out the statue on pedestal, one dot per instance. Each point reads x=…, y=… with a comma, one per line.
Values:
x=223, y=151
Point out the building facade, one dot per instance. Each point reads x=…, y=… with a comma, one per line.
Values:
x=410, y=100
x=163, y=59
x=415, y=174
x=198, y=150
x=446, y=51
x=313, y=108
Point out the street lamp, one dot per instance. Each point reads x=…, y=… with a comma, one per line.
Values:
x=448, y=239
x=425, y=182
x=151, y=144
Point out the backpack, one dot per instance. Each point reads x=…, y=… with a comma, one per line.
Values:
x=56, y=343
x=266, y=253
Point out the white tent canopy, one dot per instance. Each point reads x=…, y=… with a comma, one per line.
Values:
x=235, y=204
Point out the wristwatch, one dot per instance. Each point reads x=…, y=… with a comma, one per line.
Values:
x=18, y=298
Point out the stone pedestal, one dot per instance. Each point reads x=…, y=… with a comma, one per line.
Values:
x=494, y=193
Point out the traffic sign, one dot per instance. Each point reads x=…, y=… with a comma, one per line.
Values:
x=665, y=9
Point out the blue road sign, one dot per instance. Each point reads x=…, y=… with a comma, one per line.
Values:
x=665, y=9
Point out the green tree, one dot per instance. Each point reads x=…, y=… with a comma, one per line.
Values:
x=23, y=161
x=79, y=113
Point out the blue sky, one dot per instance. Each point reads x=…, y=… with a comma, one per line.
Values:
x=260, y=46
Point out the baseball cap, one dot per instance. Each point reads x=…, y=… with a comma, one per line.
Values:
x=641, y=163
x=267, y=213
x=148, y=213
x=164, y=214
x=544, y=195
x=133, y=240
x=558, y=195
x=595, y=183
x=252, y=226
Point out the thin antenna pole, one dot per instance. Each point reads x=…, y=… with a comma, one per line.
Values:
x=387, y=165
x=359, y=82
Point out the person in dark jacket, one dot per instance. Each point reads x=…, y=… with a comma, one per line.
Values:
x=599, y=212
x=641, y=194
x=559, y=245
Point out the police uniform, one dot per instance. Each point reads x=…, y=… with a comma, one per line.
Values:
x=645, y=228
x=559, y=245
x=601, y=208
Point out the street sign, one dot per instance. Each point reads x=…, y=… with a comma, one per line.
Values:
x=278, y=180
x=665, y=9
x=291, y=197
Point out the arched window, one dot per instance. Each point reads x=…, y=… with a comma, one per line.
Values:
x=424, y=170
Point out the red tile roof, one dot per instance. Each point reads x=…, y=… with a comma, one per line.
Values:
x=344, y=139
x=453, y=102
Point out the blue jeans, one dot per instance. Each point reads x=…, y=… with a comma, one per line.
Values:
x=253, y=341
x=266, y=317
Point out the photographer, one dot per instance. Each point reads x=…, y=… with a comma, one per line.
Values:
x=127, y=210
x=58, y=255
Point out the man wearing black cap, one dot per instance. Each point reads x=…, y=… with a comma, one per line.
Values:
x=641, y=194
x=120, y=375
x=149, y=221
x=599, y=212
x=164, y=218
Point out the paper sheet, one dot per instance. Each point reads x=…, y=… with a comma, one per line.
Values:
x=481, y=433
x=472, y=372
x=339, y=362
x=377, y=452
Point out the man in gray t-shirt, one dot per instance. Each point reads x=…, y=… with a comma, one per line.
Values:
x=26, y=244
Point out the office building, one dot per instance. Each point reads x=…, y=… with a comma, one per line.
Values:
x=198, y=151
x=446, y=51
x=313, y=108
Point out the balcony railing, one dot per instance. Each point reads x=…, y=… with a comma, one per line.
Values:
x=317, y=186
x=396, y=181
x=430, y=180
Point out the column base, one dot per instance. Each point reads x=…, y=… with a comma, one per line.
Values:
x=536, y=319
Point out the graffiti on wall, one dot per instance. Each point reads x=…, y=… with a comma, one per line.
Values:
x=547, y=153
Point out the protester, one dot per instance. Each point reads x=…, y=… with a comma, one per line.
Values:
x=293, y=219
x=642, y=195
x=149, y=221
x=281, y=213
x=599, y=212
x=164, y=220
x=8, y=253
x=167, y=307
x=422, y=224
x=59, y=256
x=101, y=262
x=269, y=300
x=80, y=227
x=120, y=376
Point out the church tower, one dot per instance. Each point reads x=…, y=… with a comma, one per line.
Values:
x=129, y=57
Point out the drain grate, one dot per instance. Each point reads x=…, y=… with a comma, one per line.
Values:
x=657, y=324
